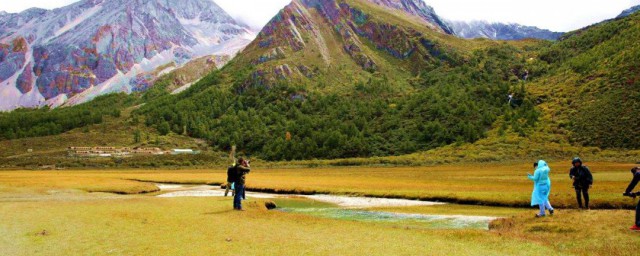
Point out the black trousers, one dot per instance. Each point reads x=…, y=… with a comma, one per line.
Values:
x=638, y=214
x=580, y=192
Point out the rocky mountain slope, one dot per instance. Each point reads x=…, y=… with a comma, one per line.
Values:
x=418, y=8
x=72, y=54
x=350, y=78
x=329, y=79
x=316, y=41
x=356, y=78
x=500, y=31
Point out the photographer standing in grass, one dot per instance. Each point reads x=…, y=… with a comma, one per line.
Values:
x=231, y=173
x=231, y=179
x=242, y=168
x=541, y=188
x=582, y=181
x=629, y=192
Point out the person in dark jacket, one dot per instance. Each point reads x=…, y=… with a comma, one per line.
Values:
x=582, y=181
x=231, y=179
x=242, y=168
x=629, y=192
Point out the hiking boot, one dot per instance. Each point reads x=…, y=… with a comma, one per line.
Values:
x=635, y=228
x=540, y=216
x=551, y=212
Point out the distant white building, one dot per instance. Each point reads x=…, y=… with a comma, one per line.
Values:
x=184, y=152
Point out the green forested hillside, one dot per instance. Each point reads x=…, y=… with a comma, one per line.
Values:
x=593, y=87
x=25, y=123
x=396, y=109
x=375, y=83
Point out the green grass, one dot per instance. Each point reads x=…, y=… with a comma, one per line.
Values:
x=490, y=184
x=47, y=213
x=576, y=232
x=113, y=131
x=143, y=226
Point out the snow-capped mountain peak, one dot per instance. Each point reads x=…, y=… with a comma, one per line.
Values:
x=94, y=47
x=420, y=9
x=500, y=31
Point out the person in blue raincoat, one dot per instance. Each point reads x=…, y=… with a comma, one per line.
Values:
x=541, y=188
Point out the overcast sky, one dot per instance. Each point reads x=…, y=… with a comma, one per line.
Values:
x=557, y=15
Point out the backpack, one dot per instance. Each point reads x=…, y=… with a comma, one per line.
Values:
x=232, y=174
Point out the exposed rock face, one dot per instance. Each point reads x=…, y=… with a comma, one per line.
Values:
x=275, y=54
x=283, y=71
x=25, y=80
x=329, y=29
x=94, y=47
x=418, y=8
x=306, y=71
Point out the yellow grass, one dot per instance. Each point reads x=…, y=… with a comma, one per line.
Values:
x=208, y=227
x=51, y=213
x=496, y=185
x=595, y=232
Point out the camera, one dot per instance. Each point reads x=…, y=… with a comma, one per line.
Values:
x=632, y=195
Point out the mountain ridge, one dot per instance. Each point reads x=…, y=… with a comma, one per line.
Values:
x=629, y=11
x=72, y=54
x=332, y=79
x=418, y=8
x=349, y=78
x=501, y=31
x=322, y=32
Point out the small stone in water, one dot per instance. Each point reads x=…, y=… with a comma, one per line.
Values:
x=270, y=205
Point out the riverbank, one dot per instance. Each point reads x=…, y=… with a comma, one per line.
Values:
x=488, y=185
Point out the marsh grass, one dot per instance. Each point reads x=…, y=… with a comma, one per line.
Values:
x=603, y=232
x=37, y=222
x=208, y=226
x=488, y=185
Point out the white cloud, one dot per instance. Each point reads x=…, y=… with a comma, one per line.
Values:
x=558, y=15
x=256, y=13
x=21, y=5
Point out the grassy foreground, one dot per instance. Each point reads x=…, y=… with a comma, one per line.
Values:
x=51, y=213
x=140, y=225
x=145, y=226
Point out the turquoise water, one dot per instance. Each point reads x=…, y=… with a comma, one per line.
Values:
x=415, y=221
x=323, y=209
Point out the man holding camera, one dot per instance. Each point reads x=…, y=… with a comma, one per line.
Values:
x=636, y=178
x=242, y=168
x=582, y=181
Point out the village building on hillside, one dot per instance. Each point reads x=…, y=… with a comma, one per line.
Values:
x=112, y=151
x=184, y=152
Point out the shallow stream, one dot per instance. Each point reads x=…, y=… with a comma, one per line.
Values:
x=344, y=208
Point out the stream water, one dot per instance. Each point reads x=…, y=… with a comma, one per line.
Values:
x=344, y=208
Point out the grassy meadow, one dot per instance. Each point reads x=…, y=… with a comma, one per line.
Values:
x=490, y=184
x=195, y=226
x=53, y=213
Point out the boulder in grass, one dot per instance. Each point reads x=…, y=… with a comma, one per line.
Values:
x=270, y=205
